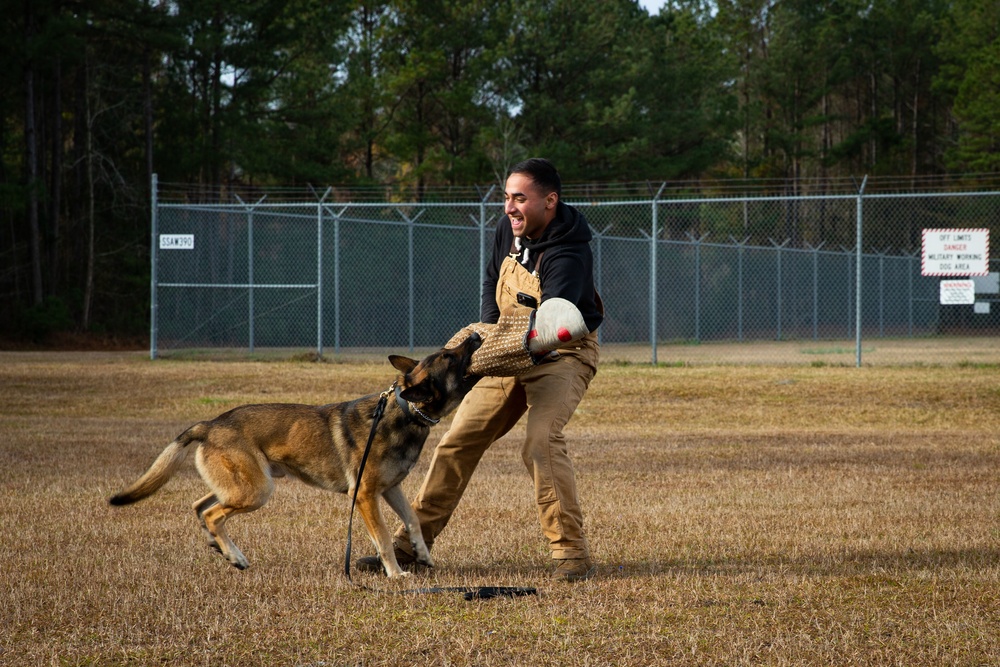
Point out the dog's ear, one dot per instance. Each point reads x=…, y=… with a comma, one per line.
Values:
x=402, y=364
x=418, y=393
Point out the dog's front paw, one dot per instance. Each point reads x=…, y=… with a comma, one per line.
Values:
x=400, y=574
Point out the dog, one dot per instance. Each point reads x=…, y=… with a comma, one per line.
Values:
x=240, y=452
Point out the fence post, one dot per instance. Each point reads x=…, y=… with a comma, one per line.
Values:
x=652, y=272
x=250, y=295
x=250, y=303
x=154, y=305
x=412, y=292
x=336, y=280
x=319, y=273
x=857, y=275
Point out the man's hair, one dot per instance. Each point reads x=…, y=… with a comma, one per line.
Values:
x=542, y=172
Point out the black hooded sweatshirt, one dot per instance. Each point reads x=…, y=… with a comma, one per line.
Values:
x=567, y=267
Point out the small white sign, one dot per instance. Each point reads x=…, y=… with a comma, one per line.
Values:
x=958, y=292
x=955, y=252
x=176, y=241
x=981, y=308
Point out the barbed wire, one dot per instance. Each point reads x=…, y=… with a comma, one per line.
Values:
x=239, y=192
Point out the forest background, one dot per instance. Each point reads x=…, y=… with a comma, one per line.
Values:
x=415, y=100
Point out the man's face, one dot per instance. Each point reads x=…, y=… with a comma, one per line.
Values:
x=530, y=210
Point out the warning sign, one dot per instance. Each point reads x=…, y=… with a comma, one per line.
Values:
x=955, y=252
x=958, y=292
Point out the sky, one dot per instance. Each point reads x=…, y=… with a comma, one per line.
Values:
x=652, y=6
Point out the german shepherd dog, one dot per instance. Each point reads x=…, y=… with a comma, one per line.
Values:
x=240, y=452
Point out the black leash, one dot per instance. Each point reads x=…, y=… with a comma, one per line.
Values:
x=477, y=592
x=376, y=418
x=470, y=592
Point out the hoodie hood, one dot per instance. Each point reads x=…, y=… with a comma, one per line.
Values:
x=569, y=226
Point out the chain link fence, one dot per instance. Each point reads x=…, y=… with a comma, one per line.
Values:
x=337, y=276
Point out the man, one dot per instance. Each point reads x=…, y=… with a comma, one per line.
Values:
x=541, y=249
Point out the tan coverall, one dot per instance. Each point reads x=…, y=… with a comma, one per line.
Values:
x=549, y=393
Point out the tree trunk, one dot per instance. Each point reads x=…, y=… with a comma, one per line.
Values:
x=147, y=110
x=369, y=121
x=77, y=182
x=215, y=113
x=88, y=289
x=915, y=123
x=31, y=153
x=55, y=217
x=873, y=117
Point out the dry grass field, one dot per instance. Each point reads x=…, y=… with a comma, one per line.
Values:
x=772, y=513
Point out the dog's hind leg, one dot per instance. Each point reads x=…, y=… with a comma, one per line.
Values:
x=241, y=482
x=215, y=518
x=379, y=532
x=200, y=508
x=397, y=501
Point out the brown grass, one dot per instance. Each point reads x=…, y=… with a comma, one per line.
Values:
x=764, y=514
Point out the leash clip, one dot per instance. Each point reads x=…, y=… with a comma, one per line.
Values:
x=391, y=389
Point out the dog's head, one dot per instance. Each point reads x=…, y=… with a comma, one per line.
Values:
x=440, y=381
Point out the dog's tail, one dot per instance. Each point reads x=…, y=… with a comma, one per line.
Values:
x=163, y=468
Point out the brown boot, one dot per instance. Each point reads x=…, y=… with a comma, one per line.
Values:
x=572, y=570
x=373, y=564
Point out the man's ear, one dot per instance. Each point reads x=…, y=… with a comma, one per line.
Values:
x=551, y=200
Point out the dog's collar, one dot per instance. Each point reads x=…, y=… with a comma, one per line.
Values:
x=407, y=407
